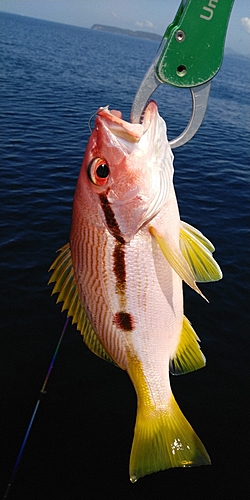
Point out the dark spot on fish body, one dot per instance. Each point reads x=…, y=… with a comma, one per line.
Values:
x=124, y=321
x=110, y=218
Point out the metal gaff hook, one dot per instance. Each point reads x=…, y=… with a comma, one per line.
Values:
x=200, y=97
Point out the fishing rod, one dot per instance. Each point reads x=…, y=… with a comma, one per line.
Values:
x=41, y=394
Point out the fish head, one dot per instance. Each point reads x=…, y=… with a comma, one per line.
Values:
x=127, y=171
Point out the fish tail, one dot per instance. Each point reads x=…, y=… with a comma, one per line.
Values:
x=163, y=438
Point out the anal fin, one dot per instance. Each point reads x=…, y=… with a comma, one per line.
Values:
x=188, y=356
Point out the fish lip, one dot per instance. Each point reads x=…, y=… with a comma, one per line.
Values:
x=121, y=129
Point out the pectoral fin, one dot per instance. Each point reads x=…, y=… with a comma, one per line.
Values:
x=175, y=258
x=197, y=250
x=63, y=276
x=188, y=356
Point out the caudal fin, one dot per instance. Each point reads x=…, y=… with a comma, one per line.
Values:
x=164, y=439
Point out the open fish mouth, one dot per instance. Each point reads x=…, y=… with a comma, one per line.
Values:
x=131, y=132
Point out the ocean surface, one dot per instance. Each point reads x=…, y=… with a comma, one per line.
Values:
x=53, y=78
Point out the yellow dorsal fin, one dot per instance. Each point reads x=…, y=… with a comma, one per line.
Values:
x=63, y=276
x=175, y=258
x=188, y=356
x=197, y=250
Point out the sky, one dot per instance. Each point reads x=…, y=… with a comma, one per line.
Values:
x=145, y=15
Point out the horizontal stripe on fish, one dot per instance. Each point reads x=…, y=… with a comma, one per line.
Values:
x=95, y=283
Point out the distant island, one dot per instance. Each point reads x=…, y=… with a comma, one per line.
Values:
x=120, y=31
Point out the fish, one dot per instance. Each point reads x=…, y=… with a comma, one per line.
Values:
x=120, y=277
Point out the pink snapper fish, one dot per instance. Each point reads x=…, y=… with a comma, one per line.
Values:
x=121, y=276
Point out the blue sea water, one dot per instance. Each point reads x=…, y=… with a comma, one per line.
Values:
x=53, y=78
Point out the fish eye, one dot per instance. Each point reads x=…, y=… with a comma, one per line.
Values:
x=98, y=171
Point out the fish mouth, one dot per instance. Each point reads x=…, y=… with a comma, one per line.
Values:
x=131, y=132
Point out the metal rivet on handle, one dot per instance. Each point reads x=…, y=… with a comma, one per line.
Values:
x=180, y=36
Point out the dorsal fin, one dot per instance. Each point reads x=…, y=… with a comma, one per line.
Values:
x=63, y=276
x=188, y=356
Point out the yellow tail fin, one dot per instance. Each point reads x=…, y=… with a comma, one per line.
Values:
x=164, y=439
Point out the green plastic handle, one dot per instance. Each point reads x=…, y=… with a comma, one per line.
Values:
x=194, y=46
